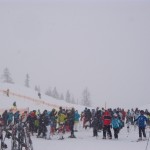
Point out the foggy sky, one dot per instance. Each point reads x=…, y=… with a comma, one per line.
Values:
x=104, y=46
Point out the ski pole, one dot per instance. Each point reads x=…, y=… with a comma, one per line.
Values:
x=147, y=141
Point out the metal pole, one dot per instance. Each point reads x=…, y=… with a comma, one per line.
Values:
x=147, y=141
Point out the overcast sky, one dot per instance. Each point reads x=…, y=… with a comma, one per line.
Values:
x=102, y=45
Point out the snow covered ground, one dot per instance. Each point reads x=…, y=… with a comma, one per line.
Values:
x=27, y=98
x=85, y=141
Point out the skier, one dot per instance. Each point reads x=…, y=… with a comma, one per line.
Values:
x=136, y=115
x=123, y=117
x=53, y=121
x=3, y=145
x=128, y=120
x=16, y=117
x=141, y=121
x=31, y=120
x=48, y=126
x=23, y=117
x=98, y=114
x=10, y=117
x=5, y=117
x=42, y=127
x=39, y=95
x=7, y=92
x=87, y=118
x=14, y=107
x=1, y=121
x=77, y=116
x=71, y=118
x=61, y=123
x=106, y=124
x=95, y=125
x=116, y=125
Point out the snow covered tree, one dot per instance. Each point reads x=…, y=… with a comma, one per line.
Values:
x=73, y=100
x=55, y=93
x=86, y=98
x=27, y=80
x=61, y=97
x=37, y=88
x=68, y=97
x=6, y=76
x=48, y=92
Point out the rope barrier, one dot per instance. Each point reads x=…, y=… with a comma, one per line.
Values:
x=31, y=99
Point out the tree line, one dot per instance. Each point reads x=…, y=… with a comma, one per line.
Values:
x=69, y=98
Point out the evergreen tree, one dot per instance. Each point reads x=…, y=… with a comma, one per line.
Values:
x=61, y=97
x=27, y=80
x=37, y=88
x=86, y=98
x=6, y=76
x=48, y=92
x=55, y=93
x=72, y=100
x=68, y=97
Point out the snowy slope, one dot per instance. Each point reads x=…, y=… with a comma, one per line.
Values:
x=26, y=97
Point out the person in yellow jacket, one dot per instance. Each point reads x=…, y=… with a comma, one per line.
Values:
x=61, y=118
x=61, y=124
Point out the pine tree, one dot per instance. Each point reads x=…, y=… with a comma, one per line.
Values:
x=61, y=97
x=48, y=92
x=6, y=76
x=68, y=97
x=27, y=80
x=72, y=100
x=86, y=98
x=55, y=93
x=36, y=88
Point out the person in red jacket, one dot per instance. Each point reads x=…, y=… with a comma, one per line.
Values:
x=107, y=124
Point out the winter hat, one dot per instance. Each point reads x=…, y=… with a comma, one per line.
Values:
x=115, y=115
x=142, y=112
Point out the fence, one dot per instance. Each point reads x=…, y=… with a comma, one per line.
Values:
x=28, y=98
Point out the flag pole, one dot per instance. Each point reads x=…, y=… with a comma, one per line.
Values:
x=105, y=105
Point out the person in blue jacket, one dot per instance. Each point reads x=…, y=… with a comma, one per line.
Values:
x=10, y=117
x=76, y=121
x=141, y=122
x=116, y=125
x=16, y=117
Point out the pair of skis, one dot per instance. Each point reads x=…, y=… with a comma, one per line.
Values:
x=139, y=140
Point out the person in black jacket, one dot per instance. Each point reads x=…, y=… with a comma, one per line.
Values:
x=16, y=117
x=95, y=125
x=5, y=117
x=42, y=126
x=71, y=118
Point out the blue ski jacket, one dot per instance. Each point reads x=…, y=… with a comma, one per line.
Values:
x=141, y=121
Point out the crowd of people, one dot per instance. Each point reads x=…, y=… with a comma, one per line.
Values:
x=50, y=122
